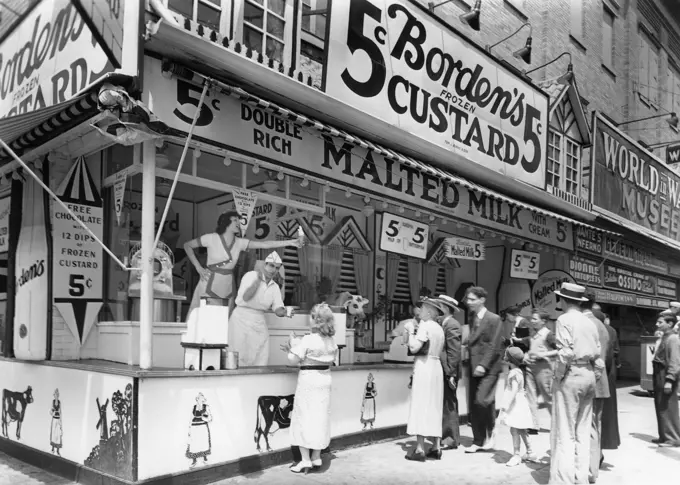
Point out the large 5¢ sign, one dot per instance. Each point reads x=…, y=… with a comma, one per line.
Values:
x=404, y=236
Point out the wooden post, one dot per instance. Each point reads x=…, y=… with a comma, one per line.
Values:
x=148, y=236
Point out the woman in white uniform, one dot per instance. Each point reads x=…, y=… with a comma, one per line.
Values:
x=258, y=293
x=224, y=246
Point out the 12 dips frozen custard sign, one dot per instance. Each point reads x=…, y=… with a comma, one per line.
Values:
x=400, y=66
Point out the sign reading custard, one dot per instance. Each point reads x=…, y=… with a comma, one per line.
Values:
x=395, y=63
x=631, y=183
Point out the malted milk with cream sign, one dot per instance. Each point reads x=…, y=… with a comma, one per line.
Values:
x=397, y=64
x=404, y=236
x=463, y=248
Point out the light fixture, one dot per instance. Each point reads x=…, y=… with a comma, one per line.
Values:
x=304, y=182
x=401, y=210
x=368, y=210
x=197, y=153
x=384, y=205
x=417, y=213
x=226, y=161
x=348, y=193
x=672, y=121
x=280, y=176
x=367, y=200
x=327, y=188
x=432, y=218
x=256, y=169
x=564, y=78
x=472, y=17
x=525, y=52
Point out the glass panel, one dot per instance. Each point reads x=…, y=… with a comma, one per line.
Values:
x=253, y=15
x=277, y=6
x=217, y=3
x=274, y=49
x=209, y=17
x=182, y=7
x=252, y=38
x=275, y=26
x=311, y=62
x=306, y=19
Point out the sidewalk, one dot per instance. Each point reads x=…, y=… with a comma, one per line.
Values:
x=636, y=461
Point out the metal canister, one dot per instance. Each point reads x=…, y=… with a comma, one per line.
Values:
x=232, y=360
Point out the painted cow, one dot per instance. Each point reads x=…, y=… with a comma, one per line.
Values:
x=354, y=304
x=14, y=408
x=272, y=410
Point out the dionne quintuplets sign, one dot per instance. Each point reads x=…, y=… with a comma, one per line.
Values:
x=395, y=63
x=78, y=258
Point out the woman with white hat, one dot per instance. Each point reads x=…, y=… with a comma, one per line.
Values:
x=248, y=332
x=427, y=391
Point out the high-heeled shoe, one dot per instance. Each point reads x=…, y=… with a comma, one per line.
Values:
x=317, y=463
x=434, y=454
x=416, y=456
x=301, y=467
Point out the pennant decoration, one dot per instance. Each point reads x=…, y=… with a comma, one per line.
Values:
x=244, y=202
x=119, y=192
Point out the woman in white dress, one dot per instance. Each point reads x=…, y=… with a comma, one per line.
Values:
x=224, y=246
x=310, y=423
x=427, y=391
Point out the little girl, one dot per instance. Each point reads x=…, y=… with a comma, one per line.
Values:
x=515, y=411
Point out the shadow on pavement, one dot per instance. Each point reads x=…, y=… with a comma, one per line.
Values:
x=639, y=393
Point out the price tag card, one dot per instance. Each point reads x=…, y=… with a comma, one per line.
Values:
x=524, y=264
x=404, y=236
x=462, y=248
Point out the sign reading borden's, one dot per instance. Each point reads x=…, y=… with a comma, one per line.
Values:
x=396, y=64
x=630, y=182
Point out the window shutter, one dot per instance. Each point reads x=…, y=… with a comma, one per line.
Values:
x=402, y=294
x=676, y=92
x=653, y=75
x=643, y=66
x=347, y=279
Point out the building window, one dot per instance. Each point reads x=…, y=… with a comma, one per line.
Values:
x=554, y=171
x=205, y=12
x=440, y=288
x=648, y=70
x=402, y=294
x=576, y=20
x=564, y=163
x=314, y=17
x=265, y=27
x=673, y=90
x=312, y=39
x=348, y=280
x=608, y=38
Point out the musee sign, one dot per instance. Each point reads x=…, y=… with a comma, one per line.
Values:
x=262, y=134
x=396, y=64
x=630, y=182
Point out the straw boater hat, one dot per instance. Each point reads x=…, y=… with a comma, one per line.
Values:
x=667, y=313
x=570, y=291
x=446, y=300
x=432, y=303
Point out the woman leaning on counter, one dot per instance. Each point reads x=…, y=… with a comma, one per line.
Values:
x=224, y=246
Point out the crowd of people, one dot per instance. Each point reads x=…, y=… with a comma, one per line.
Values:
x=571, y=371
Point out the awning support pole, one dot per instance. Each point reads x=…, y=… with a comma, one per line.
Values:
x=206, y=84
x=146, y=282
x=62, y=204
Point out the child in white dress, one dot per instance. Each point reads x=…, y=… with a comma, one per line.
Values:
x=515, y=411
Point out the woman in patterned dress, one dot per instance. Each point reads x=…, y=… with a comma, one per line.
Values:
x=427, y=391
x=368, y=402
x=56, y=429
x=311, y=418
x=199, y=445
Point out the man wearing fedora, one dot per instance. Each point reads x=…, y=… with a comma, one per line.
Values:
x=450, y=360
x=578, y=367
x=485, y=346
x=602, y=391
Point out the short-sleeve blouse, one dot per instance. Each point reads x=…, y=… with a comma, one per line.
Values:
x=213, y=242
x=313, y=349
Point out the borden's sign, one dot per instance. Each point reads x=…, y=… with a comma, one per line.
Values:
x=48, y=59
x=630, y=182
x=400, y=66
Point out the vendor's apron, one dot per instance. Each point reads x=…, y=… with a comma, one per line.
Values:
x=219, y=287
x=249, y=336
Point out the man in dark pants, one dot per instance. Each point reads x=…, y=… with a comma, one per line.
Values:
x=450, y=360
x=666, y=376
x=485, y=349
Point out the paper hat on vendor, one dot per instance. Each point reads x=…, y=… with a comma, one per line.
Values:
x=446, y=300
x=273, y=258
x=570, y=291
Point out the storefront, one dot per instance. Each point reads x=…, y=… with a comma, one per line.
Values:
x=94, y=348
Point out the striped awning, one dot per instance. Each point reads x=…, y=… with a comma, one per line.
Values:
x=324, y=128
x=32, y=129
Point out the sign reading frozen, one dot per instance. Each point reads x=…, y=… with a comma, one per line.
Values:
x=396, y=64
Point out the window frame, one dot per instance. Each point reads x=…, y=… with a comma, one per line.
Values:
x=289, y=34
x=565, y=142
x=672, y=91
x=647, y=42
x=224, y=8
x=608, y=14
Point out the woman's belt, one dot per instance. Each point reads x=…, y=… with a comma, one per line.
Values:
x=218, y=268
x=582, y=363
x=315, y=367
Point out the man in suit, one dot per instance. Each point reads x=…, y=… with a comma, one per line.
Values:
x=450, y=360
x=601, y=388
x=485, y=347
x=577, y=369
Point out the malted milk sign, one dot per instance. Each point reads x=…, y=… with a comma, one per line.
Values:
x=393, y=62
x=49, y=58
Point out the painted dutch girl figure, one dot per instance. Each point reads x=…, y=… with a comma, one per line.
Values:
x=56, y=430
x=199, y=431
x=368, y=402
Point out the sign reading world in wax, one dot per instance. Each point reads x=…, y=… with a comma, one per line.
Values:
x=397, y=64
x=631, y=183
x=260, y=133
